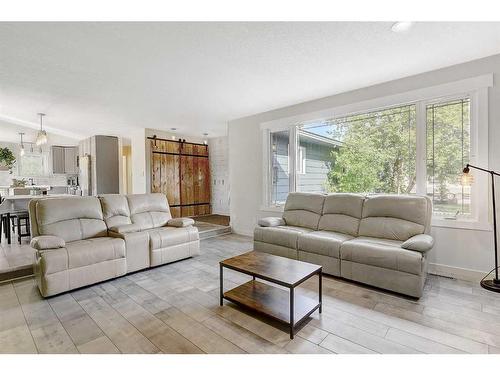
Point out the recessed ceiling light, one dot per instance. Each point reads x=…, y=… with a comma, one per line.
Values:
x=173, y=129
x=401, y=27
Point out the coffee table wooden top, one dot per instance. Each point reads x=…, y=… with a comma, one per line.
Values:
x=280, y=270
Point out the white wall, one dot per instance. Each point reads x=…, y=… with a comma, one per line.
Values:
x=457, y=252
x=138, y=160
x=9, y=132
x=219, y=173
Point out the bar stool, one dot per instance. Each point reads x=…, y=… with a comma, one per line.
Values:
x=23, y=219
x=1, y=221
x=9, y=221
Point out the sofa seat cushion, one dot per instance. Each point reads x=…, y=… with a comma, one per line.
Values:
x=283, y=235
x=323, y=242
x=94, y=250
x=170, y=236
x=382, y=253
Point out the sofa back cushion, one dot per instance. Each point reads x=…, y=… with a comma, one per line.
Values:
x=149, y=210
x=342, y=213
x=115, y=209
x=303, y=209
x=395, y=217
x=72, y=218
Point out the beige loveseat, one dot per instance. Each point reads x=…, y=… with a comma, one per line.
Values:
x=84, y=240
x=380, y=240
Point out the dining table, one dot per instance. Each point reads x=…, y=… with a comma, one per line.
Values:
x=16, y=204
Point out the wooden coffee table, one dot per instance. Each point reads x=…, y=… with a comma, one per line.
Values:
x=285, y=306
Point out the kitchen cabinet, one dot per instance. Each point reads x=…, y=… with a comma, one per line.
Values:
x=64, y=160
x=57, y=159
x=70, y=160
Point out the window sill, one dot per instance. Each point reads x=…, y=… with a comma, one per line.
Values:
x=461, y=224
x=279, y=209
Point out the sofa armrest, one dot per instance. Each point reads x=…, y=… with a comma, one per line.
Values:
x=126, y=228
x=180, y=222
x=47, y=242
x=420, y=242
x=271, y=222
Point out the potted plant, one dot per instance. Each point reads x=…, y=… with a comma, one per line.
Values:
x=7, y=159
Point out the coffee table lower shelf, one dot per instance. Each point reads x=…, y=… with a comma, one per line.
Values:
x=273, y=302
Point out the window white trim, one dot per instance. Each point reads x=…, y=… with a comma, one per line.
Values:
x=421, y=162
x=476, y=88
x=266, y=167
x=478, y=156
x=301, y=160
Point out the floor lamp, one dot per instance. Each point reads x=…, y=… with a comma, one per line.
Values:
x=493, y=285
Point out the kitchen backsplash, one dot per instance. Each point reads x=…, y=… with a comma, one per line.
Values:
x=56, y=180
x=49, y=179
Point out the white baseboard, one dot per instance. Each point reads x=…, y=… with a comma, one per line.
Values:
x=216, y=212
x=456, y=272
x=242, y=232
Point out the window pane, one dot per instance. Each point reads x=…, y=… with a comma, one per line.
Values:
x=314, y=158
x=373, y=152
x=280, y=178
x=32, y=164
x=448, y=150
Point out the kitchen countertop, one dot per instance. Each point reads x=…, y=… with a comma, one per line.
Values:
x=32, y=186
x=14, y=203
x=28, y=196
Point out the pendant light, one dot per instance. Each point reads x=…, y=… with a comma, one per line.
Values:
x=41, y=137
x=22, y=150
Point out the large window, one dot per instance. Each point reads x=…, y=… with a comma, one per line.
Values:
x=416, y=148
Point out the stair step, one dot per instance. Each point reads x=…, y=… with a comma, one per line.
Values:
x=215, y=232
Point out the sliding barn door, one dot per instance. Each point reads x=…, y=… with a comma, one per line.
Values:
x=195, y=180
x=181, y=171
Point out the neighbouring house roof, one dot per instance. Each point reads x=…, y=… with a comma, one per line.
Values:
x=316, y=138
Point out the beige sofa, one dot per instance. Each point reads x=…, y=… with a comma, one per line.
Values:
x=380, y=240
x=84, y=240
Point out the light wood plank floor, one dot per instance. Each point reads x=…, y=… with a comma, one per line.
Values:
x=174, y=309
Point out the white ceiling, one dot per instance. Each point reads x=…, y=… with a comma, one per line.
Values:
x=106, y=78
